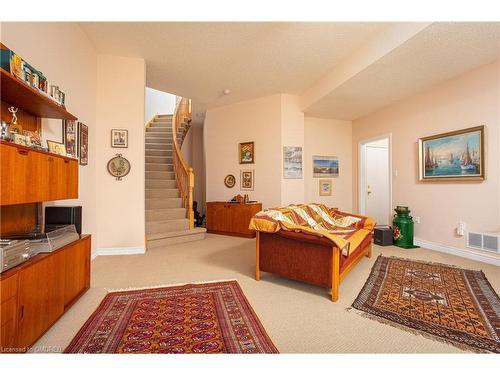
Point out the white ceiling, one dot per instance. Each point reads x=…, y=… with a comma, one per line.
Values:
x=252, y=59
x=438, y=53
x=200, y=60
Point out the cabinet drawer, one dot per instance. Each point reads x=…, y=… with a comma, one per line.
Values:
x=8, y=288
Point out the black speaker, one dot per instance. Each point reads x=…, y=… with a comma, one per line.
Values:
x=64, y=215
x=383, y=236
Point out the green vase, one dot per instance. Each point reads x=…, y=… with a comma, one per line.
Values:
x=403, y=228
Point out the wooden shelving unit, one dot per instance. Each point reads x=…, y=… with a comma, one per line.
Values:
x=20, y=94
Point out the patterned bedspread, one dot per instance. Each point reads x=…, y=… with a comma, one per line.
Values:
x=345, y=230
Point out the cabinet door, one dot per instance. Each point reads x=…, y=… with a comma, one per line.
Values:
x=41, y=297
x=54, y=178
x=72, y=178
x=19, y=175
x=77, y=273
x=8, y=313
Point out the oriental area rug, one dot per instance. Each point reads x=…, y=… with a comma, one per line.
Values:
x=445, y=303
x=195, y=318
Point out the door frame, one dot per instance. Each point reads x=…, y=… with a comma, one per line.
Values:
x=362, y=172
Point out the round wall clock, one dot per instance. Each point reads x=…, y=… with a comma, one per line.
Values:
x=229, y=181
x=118, y=167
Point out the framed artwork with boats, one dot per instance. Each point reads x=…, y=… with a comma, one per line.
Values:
x=457, y=155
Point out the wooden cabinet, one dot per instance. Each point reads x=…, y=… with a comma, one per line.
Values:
x=231, y=219
x=29, y=176
x=38, y=292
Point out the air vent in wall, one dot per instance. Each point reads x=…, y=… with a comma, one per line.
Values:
x=484, y=241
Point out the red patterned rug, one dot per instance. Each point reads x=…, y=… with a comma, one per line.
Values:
x=195, y=318
x=447, y=303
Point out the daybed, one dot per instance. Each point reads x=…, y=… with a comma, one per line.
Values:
x=311, y=243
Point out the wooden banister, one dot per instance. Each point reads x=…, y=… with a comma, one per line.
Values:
x=183, y=173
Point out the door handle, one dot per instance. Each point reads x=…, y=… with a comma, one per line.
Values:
x=22, y=152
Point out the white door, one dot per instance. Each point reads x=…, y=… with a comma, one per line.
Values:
x=377, y=182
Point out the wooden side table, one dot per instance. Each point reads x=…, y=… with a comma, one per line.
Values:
x=231, y=219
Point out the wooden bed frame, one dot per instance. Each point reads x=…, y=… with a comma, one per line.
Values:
x=307, y=258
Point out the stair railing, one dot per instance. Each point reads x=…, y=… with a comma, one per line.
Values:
x=183, y=173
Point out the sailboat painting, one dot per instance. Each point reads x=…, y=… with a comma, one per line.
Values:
x=456, y=155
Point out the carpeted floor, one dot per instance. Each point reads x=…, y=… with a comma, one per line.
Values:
x=298, y=317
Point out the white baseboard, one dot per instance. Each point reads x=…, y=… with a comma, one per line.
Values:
x=469, y=253
x=118, y=251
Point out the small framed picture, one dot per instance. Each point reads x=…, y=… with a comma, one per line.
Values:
x=247, y=153
x=325, y=187
x=83, y=143
x=56, y=148
x=247, y=179
x=119, y=138
x=69, y=137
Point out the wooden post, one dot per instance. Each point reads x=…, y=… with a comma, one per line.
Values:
x=257, y=256
x=335, y=273
x=190, y=198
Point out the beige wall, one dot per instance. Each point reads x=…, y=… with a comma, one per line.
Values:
x=68, y=59
x=328, y=137
x=469, y=100
x=120, y=104
x=255, y=120
x=292, y=134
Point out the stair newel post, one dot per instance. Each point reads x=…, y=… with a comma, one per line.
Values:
x=190, y=198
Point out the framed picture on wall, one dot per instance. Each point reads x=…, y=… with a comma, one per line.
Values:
x=69, y=137
x=457, y=155
x=119, y=138
x=325, y=187
x=83, y=143
x=292, y=162
x=246, y=153
x=325, y=166
x=57, y=148
x=247, y=179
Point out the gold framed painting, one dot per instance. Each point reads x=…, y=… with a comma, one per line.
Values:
x=325, y=187
x=456, y=155
x=247, y=153
x=247, y=179
x=56, y=148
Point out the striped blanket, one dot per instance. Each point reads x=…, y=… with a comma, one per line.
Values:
x=345, y=230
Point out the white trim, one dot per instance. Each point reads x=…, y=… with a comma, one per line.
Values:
x=469, y=254
x=362, y=172
x=118, y=251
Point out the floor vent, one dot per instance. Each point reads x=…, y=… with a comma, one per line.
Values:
x=484, y=241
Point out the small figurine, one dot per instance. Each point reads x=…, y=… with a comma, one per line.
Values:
x=13, y=110
x=4, y=131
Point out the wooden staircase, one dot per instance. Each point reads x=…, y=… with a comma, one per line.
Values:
x=169, y=214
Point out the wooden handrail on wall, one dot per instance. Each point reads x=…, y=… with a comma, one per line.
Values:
x=183, y=173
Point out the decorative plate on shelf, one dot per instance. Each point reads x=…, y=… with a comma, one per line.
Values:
x=118, y=167
x=229, y=181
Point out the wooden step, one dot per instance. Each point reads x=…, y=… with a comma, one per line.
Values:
x=157, y=241
x=163, y=203
x=162, y=193
x=159, y=167
x=163, y=175
x=160, y=184
x=159, y=214
x=164, y=226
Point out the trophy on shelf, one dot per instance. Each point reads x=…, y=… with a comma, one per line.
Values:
x=13, y=110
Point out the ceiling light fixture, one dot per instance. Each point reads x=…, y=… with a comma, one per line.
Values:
x=226, y=92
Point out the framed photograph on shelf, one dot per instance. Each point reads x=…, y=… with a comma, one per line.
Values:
x=292, y=162
x=119, y=138
x=69, y=137
x=325, y=166
x=457, y=155
x=247, y=180
x=83, y=143
x=325, y=187
x=56, y=148
x=247, y=153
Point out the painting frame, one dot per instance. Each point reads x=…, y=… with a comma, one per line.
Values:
x=120, y=142
x=246, y=152
x=83, y=143
x=325, y=183
x=247, y=179
x=333, y=169
x=58, y=148
x=425, y=154
x=70, y=137
x=292, y=167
